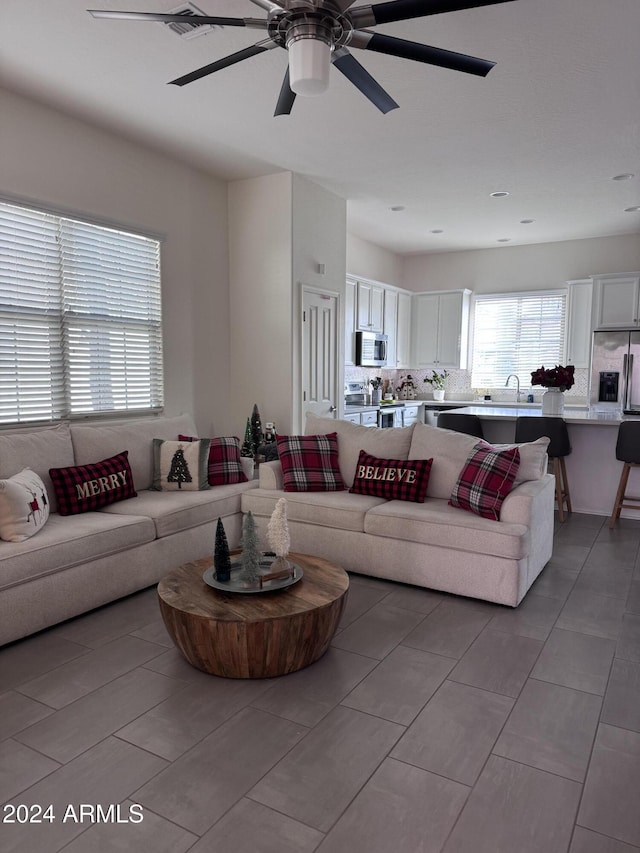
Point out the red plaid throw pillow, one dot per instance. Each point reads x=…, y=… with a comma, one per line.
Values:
x=224, y=460
x=486, y=480
x=83, y=488
x=310, y=463
x=393, y=479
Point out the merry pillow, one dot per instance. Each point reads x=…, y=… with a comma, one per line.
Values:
x=83, y=488
x=392, y=479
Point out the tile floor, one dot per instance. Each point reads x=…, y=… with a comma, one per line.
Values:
x=434, y=724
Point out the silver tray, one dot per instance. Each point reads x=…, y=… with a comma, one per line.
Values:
x=234, y=584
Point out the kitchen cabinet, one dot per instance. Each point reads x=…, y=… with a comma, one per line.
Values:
x=440, y=330
x=403, y=331
x=412, y=413
x=369, y=418
x=370, y=311
x=579, y=330
x=390, y=325
x=616, y=301
x=354, y=418
x=350, y=324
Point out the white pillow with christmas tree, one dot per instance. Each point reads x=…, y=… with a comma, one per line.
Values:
x=180, y=465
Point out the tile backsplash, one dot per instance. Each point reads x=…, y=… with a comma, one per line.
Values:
x=458, y=384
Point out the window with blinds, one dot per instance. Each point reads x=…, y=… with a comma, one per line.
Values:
x=80, y=318
x=516, y=333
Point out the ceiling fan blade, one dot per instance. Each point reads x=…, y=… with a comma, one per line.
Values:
x=361, y=79
x=225, y=62
x=180, y=19
x=421, y=53
x=402, y=10
x=285, y=98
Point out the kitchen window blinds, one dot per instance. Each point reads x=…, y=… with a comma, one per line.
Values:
x=516, y=333
x=80, y=318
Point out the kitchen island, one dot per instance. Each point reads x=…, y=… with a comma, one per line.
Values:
x=592, y=468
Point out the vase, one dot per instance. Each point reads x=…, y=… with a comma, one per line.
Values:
x=553, y=402
x=438, y=393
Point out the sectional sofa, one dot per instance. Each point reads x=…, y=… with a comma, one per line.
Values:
x=77, y=562
x=430, y=544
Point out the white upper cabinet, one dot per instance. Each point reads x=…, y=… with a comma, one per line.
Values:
x=579, y=330
x=403, y=337
x=370, y=306
x=616, y=300
x=390, y=325
x=350, y=324
x=440, y=330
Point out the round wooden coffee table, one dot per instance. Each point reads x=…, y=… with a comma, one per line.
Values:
x=253, y=636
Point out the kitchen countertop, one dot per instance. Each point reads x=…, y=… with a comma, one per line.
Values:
x=354, y=410
x=572, y=414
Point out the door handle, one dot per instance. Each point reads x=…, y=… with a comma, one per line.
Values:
x=333, y=408
x=629, y=382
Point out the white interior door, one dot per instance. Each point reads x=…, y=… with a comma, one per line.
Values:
x=319, y=353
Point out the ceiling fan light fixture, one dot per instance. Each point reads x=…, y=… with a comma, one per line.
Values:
x=309, y=64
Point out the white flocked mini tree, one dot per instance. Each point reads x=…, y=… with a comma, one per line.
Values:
x=278, y=531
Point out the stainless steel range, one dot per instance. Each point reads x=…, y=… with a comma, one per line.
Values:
x=391, y=414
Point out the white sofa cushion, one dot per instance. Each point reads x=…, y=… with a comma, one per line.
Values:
x=337, y=510
x=91, y=443
x=39, y=450
x=172, y=512
x=450, y=450
x=436, y=523
x=352, y=438
x=71, y=540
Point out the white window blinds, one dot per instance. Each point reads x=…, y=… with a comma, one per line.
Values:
x=516, y=333
x=80, y=318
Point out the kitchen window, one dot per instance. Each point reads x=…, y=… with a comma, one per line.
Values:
x=516, y=333
x=80, y=318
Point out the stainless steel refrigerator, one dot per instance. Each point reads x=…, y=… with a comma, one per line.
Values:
x=615, y=371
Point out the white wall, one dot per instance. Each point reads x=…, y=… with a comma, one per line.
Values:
x=50, y=158
x=367, y=260
x=545, y=265
x=280, y=228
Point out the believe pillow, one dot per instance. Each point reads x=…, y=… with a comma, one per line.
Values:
x=310, y=463
x=486, y=480
x=392, y=479
x=24, y=506
x=225, y=464
x=180, y=465
x=83, y=488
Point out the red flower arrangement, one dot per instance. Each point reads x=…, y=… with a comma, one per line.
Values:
x=554, y=377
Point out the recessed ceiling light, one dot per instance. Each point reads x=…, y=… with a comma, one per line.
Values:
x=625, y=176
x=499, y=194
x=436, y=231
x=397, y=207
x=632, y=209
x=504, y=240
x=526, y=221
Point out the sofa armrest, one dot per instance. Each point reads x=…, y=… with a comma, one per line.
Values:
x=248, y=466
x=271, y=475
x=528, y=502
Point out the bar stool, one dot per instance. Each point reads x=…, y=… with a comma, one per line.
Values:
x=530, y=429
x=469, y=424
x=627, y=451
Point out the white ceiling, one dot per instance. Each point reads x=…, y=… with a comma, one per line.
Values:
x=552, y=123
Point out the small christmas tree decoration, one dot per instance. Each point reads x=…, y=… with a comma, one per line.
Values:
x=257, y=436
x=179, y=471
x=221, y=556
x=247, y=444
x=250, y=552
x=278, y=535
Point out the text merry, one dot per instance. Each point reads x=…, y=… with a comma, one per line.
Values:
x=101, y=484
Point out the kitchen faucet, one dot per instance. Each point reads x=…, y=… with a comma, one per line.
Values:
x=506, y=385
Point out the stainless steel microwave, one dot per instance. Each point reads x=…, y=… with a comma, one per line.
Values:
x=371, y=349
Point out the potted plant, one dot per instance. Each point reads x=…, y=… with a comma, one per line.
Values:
x=556, y=380
x=437, y=380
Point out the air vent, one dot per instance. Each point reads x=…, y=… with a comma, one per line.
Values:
x=186, y=30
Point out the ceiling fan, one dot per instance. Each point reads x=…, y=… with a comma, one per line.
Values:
x=318, y=33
